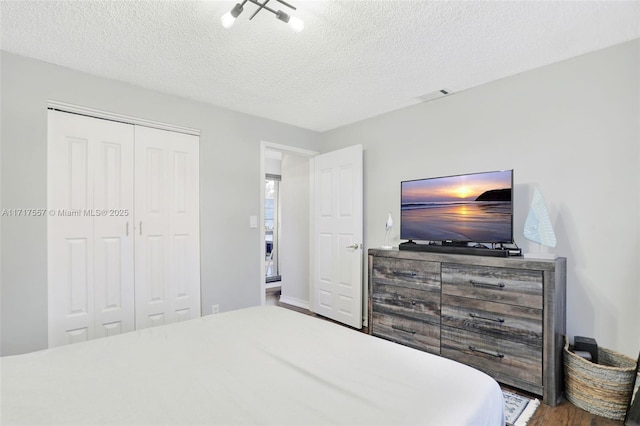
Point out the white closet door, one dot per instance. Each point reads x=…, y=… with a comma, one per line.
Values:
x=113, y=234
x=88, y=169
x=167, y=227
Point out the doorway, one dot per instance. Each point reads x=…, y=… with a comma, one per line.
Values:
x=321, y=213
x=285, y=232
x=272, y=222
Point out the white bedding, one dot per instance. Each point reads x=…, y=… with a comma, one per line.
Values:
x=264, y=365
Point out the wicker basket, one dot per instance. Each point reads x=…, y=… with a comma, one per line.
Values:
x=603, y=389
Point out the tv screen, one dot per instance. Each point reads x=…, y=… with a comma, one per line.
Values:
x=473, y=207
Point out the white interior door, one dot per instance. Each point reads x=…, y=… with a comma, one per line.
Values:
x=338, y=223
x=90, y=254
x=167, y=227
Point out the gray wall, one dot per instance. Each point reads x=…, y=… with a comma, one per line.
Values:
x=572, y=129
x=295, y=238
x=229, y=187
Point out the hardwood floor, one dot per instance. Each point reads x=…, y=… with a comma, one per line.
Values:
x=563, y=414
x=568, y=414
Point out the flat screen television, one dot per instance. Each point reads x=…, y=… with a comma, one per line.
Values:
x=466, y=208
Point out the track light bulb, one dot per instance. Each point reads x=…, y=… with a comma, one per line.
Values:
x=295, y=23
x=229, y=18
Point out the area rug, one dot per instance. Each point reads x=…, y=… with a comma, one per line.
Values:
x=518, y=409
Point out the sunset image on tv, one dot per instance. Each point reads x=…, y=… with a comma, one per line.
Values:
x=472, y=208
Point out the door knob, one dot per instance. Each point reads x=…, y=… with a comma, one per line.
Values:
x=354, y=246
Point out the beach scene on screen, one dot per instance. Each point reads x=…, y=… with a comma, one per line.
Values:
x=474, y=207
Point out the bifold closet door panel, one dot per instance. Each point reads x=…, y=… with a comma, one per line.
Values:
x=113, y=234
x=90, y=254
x=167, y=247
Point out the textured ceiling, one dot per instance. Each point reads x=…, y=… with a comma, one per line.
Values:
x=354, y=60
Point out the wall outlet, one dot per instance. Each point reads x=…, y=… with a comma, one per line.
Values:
x=215, y=309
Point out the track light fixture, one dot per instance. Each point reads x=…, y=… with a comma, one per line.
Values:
x=230, y=17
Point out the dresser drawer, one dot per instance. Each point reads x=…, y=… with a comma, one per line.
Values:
x=407, y=331
x=501, y=357
x=406, y=301
x=500, y=320
x=513, y=286
x=407, y=273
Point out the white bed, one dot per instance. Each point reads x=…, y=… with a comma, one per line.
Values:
x=263, y=365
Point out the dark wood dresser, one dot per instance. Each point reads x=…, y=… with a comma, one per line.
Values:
x=504, y=316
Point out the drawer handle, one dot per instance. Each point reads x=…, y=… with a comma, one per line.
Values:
x=395, y=327
x=404, y=274
x=479, y=284
x=495, y=319
x=482, y=351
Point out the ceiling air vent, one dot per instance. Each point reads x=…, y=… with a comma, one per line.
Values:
x=434, y=95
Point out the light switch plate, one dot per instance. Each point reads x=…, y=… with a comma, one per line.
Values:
x=253, y=221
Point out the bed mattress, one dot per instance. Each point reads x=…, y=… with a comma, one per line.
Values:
x=256, y=366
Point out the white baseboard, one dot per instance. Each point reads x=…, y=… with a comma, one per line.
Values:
x=295, y=302
x=275, y=284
